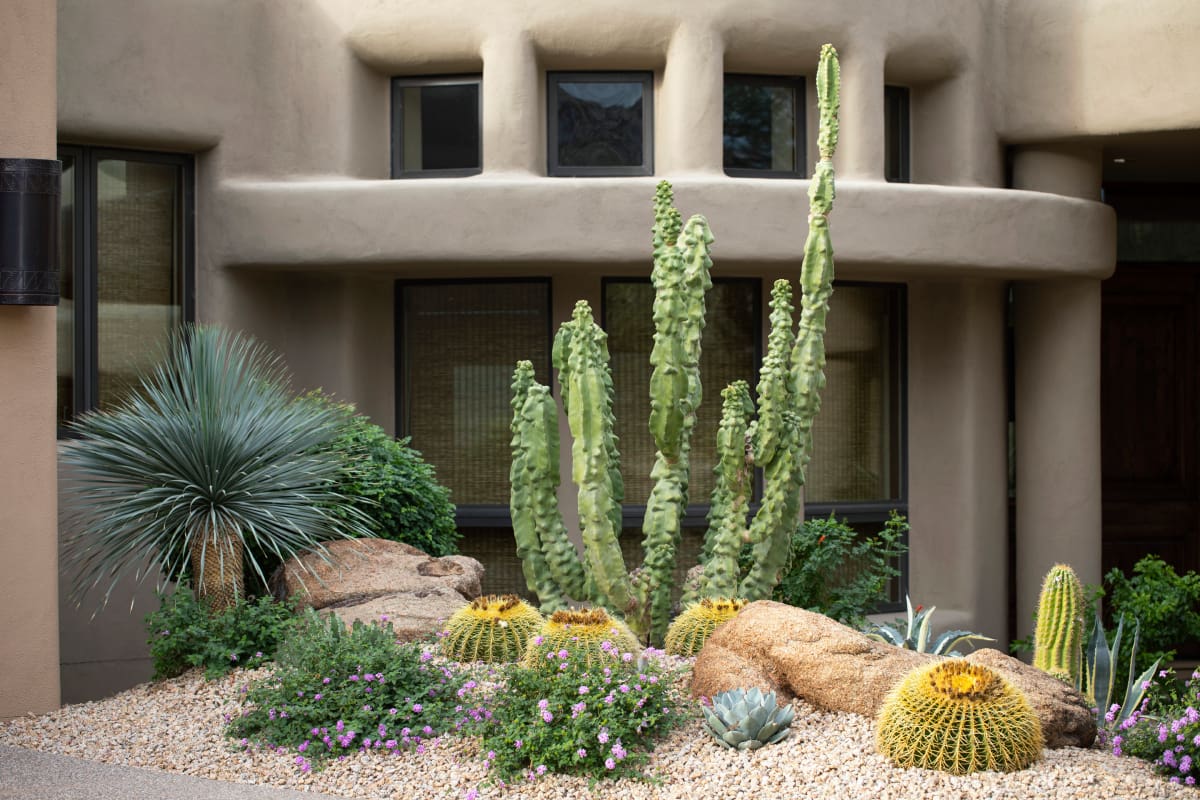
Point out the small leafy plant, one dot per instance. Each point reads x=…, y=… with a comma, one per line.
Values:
x=1167, y=605
x=335, y=691
x=1165, y=729
x=598, y=720
x=834, y=570
x=184, y=633
x=917, y=632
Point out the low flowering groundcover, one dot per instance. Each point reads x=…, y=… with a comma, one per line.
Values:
x=567, y=715
x=1165, y=729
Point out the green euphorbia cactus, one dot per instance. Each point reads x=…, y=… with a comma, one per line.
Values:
x=777, y=440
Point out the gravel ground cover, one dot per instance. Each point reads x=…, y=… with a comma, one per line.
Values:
x=177, y=725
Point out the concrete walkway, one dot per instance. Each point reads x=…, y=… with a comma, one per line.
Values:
x=33, y=775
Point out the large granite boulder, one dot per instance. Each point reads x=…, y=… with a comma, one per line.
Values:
x=801, y=654
x=378, y=579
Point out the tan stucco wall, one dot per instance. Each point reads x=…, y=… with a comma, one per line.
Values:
x=28, y=486
x=300, y=234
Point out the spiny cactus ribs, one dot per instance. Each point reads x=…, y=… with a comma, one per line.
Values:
x=958, y=717
x=491, y=628
x=582, y=631
x=691, y=629
x=1058, y=637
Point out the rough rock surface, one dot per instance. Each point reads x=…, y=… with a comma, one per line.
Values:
x=801, y=654
x=372, y=579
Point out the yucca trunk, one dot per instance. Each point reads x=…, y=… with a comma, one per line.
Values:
x=217, y=562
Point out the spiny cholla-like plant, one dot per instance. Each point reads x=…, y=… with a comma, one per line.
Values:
x=777, y=441
x=747, y=719
x=492, y=629
x=691, y=629
x=958, y=717
x=1058, y=637
x=587, y=631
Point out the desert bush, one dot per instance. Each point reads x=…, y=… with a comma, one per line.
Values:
x=184, y=634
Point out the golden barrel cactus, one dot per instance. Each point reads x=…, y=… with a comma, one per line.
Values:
x=491, y=628
x=580, y=631
x=691, y=629
x=958, y=717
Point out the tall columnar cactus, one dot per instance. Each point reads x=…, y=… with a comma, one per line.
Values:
x=1058, y=637
x=777, y=440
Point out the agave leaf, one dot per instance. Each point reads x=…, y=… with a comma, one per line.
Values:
x=786, y=715
x=753, y=723
x=767, y=730
x=950, y=639
x=717, y=725
x=780, y=735
x=749, y=744
x=1134, y=692
x=733, y=738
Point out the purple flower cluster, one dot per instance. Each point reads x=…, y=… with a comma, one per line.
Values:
x=1168, y=736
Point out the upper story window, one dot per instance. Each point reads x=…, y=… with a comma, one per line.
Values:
x=435, y=127
x=125, y=269
x=601, y=123
x=764, y=126
x=895, y=134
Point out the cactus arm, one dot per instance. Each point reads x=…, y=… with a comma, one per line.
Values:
x=534, y=448
x=777, y=516
x=731, y=495
x=675, y=394
x=587, y=393
x=774, y=395
x=1058, y=637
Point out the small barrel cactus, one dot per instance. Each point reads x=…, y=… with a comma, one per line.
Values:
x=747, y=719
x=580, y=631
x=495, y=629
x=958, y=717
x=1058, y=637
x=691, y=629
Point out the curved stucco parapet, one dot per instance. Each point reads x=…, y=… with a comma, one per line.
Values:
x=515, y=224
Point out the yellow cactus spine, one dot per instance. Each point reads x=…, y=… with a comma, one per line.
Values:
x=495, y=629
x=1058, y=637
x=579, y=631
x=691, y=629
x=958, y=717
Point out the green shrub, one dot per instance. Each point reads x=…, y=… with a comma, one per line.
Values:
x=1165, y=730
x=336, y=691
x=598, y=721
x=1166, y=604
x=835, y=571
x=185, y=633
x=396, y=489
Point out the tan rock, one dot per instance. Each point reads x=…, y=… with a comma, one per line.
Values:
x=413, y=615
x=356, y=570
x=801, y=654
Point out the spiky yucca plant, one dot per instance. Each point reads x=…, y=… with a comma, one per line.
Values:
x=208, y=462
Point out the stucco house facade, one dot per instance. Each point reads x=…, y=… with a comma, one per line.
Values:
x=404, y=198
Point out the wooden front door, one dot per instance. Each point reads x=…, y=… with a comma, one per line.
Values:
x=1150, y=404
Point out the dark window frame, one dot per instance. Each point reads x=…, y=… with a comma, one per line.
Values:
x=85, y=343
x=556, y=170
x=897, y=167
x=397, y=134
x=467, y=515
x=799, y=88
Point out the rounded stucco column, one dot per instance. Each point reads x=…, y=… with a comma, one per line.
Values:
x=1057, y=411
x=957, y=453
x=512, y=113
x=690, y=106
x=860, y=145
x=29, y=660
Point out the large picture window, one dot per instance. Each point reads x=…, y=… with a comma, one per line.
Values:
x=600, y=123
x=457, y=345
x=125, y=269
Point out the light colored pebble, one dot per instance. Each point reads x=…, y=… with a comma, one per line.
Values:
x=177, y=725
